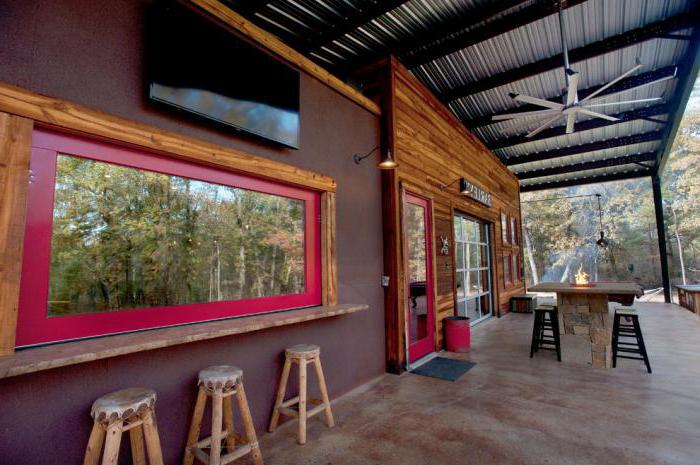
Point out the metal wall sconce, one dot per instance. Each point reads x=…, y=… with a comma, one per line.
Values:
x=463, y=188
x=387, y=162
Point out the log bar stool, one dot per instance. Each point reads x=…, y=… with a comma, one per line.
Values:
x=127, y=410
x=546, y=319
x=221, y=383
x=631, y=331
x=302, y=354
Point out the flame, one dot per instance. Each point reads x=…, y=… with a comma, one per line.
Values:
x=581, y=276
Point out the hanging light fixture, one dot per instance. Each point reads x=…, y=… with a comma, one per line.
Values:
x=387, y=162
x=463, y=187
x=602, y=242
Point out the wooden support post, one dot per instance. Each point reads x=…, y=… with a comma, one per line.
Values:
x=302, y=401
x=281, y=390
x=216, y=422
x=249, y=428
x=329, y=280
x=230, y=432
x=15, y=152
x=94, y=447
x=196, y=425
x=138, y=454
x=112, y=442
x=661, y=233
x=324, y=392
x=150, y=432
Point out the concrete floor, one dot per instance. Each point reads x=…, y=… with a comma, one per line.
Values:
x=511, y=409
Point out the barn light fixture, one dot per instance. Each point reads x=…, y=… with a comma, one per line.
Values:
x=387, y=162
x=602, y=242
x=463, y=187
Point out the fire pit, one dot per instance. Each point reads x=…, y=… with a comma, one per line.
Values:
x=581, y=278
x=584, y=317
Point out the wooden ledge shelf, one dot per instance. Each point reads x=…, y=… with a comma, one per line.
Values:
x=70, y=353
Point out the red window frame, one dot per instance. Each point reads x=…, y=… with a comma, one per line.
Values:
x=35, y=327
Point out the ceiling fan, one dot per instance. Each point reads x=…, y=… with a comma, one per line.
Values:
x=571, y=106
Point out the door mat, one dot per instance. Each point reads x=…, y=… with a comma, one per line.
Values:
x=444, y=368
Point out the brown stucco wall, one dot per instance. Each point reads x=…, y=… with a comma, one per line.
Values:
x=91, y=52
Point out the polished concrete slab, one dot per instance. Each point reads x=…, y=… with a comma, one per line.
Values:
x=511, y=409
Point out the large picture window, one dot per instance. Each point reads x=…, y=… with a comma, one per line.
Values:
x=120, y=240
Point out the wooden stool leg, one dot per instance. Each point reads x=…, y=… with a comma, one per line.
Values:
x=281, y=390
x=248, y=426
x=94, y=447
x=228, y=425
x=302, y=401
x=150, y=432
x=138, y=454
x=216, y=421
x=196, y=425
x=112, y=442
x=324, y=392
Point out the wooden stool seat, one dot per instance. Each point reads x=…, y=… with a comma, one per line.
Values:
x=223, y=377
x=221, y=383
x=122, y=405
x=302, y=355
x=303, y=351
x=129, y=410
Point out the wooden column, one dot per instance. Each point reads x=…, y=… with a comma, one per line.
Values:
x=15, y=152
x=329, y=259
x=661, y=233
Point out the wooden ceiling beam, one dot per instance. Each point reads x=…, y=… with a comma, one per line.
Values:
x=584, y=148
x=649, y=77
x=595, y=123
x=455, y=41
x=637, y=158
x=626, y=39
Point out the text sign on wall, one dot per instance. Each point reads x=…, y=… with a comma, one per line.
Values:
x=476, y=193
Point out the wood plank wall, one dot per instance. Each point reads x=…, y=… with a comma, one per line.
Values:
x=433, y=148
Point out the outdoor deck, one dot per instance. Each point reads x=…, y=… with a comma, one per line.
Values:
x=545, y=412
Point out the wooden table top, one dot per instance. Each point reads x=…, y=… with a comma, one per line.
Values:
x=594, y=288
x=689, y=287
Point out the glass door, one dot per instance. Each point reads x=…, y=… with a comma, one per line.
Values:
x=419, y=302
x=473, y=268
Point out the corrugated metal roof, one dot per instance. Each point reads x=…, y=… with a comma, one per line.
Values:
x=413, y=29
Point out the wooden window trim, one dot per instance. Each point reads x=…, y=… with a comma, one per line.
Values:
x=22, y=110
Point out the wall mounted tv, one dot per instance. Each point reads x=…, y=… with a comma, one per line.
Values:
x=202, y=68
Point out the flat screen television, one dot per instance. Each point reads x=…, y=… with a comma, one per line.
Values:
x=202, y=68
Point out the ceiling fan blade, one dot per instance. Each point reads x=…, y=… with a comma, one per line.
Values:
x=536, y=101
x=613, y=82
x=597, y=115
x=572, y=91
x=525, y=114
x=544, y=126
x=624, y=102
x=570, y=122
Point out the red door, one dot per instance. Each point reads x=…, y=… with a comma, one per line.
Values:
x=419, y=267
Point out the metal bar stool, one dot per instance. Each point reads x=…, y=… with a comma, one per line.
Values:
x=129, y=410
x=302, y=355
x=221, y=383
x=629, y=329
x=546, y=321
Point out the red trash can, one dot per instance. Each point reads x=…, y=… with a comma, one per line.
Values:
x=457, y=334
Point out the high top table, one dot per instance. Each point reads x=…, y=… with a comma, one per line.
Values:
x=585, y=321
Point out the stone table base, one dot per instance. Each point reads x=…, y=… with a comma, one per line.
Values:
x=585, y=323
